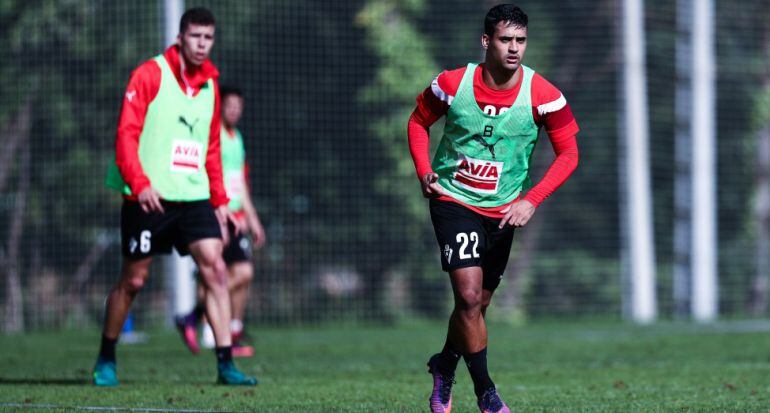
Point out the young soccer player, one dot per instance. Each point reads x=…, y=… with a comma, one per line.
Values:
x=479, y=183
x=237, y=252
x=169, y=168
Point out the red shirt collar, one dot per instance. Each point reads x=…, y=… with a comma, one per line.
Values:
x=478, y=79
x=196, y=76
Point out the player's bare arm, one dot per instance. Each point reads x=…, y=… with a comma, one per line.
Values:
x=255, y=227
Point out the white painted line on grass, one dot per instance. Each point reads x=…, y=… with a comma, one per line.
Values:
x=107, y=408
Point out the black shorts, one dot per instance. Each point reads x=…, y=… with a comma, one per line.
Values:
x=238, y=249
x=469, y=239
x=146, y=234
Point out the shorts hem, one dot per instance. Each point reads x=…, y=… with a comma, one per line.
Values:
x=450, y=268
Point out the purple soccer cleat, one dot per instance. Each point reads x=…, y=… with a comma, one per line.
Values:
x=441, y=397
x=490, y=402
x=186, y=327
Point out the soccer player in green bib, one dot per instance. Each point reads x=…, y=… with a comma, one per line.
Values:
x=168, y=167
x=479, y=183
x=237, y=253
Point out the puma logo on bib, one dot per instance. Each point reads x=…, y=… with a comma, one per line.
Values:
x=187, y=124
x=490, y=146
x=478, y=175
x=186, y=155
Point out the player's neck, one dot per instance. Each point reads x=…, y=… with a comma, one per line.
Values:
x=184, y=72
x=185, y=66
x=499, y=79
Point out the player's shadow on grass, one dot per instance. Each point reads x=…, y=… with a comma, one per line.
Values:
x=55, y=382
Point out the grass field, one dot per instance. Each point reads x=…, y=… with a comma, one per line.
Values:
x=543, y=367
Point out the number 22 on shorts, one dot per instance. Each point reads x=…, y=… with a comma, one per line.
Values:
x=464, y=239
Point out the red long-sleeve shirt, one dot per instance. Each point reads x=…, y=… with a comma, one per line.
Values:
x=142, y=89
x=549, y=110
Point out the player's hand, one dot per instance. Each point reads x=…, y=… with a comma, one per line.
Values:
x=225, y=216
x=149, y=200
x=517, y=213
x=430, y=186
x=258, y=236
x=222, y=213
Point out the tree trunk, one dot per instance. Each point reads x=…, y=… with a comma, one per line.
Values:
x=759, y=287
x=13, y=134
x=79, y=306
x=14, y=308
x=511, y=295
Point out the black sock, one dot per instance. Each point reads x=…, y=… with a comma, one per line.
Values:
x=107, y=350
x=447, y=359
x=198, y=311
x=477, y=366
x=224, y=354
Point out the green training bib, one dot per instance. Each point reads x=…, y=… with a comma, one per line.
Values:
x=233, y=163
x=483, y=160
x=174, y=141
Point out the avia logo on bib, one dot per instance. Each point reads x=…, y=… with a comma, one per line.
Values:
x=234, y=183
x=478, y=175
x=186, y=155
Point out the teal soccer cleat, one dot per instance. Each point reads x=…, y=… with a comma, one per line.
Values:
x=230, y=375
x=104, y=373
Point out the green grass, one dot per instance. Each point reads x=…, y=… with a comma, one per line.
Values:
x=546, y=367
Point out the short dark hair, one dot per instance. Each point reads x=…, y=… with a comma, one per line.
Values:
x=196, y=15
x=225, y=91
x=508, y=13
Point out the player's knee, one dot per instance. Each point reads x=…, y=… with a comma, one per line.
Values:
x=245, y=274
x=133, y=284
x=212, y=262
x=209, y=260
x=220, y=269
x=133, y=277
x=469, y=301
x=214, y=274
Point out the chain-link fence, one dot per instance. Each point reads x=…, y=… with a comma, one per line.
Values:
x=329, y=86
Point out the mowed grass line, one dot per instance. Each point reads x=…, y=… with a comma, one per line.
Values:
x=542, y=367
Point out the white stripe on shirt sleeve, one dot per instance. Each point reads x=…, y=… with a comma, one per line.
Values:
x=443, y=96
x=551, y=107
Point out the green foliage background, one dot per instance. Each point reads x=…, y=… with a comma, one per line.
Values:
x=329, y=88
